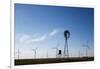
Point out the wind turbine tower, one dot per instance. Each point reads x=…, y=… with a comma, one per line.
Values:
x=87, y=48
x=18, y=54
x=34, y=52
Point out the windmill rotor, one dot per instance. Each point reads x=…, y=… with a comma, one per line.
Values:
x=66, y=34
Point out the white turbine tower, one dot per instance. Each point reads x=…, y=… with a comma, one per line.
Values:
x=56, y=48
x=87, y=48
x=18, y=53
x=34, y=52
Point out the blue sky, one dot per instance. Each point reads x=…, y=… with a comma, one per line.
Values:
x=42, y=27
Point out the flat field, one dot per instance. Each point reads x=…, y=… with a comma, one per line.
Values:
x=51, y=60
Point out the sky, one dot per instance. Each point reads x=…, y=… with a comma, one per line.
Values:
x=43, y=26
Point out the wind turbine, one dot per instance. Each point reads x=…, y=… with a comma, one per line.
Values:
x=87, y=48
x=18, y=53
x=79, y=54
x=47, y=54
x=56, y=48
x=56, y=51
x=34, y=52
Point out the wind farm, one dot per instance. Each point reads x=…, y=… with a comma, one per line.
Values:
x=53, y=34
x=65, y=57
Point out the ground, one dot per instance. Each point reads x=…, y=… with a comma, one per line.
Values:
x=51, y=60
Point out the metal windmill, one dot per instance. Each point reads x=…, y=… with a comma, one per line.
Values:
x=34, y=52
x=66, y=35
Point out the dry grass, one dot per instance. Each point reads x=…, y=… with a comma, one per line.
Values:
x=51, y=60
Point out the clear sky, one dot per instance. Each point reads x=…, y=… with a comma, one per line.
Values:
x=42, y=27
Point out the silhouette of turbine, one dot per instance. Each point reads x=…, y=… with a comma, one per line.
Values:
x=34, y=52
x=87, y=48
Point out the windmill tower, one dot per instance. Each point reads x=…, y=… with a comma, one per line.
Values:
x=66, y=35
